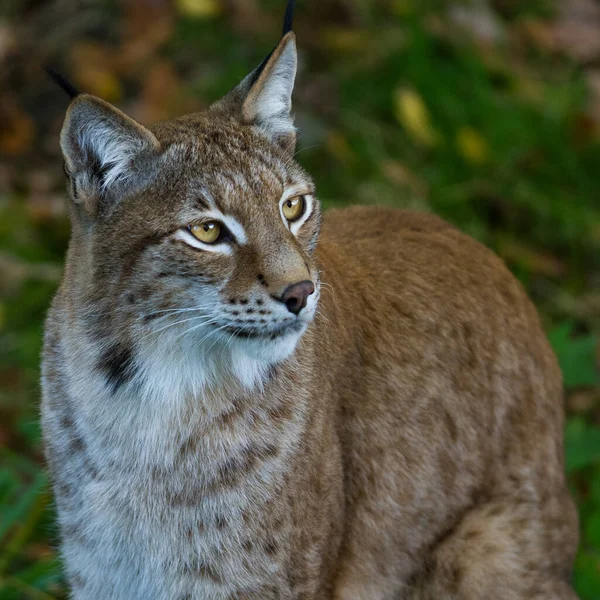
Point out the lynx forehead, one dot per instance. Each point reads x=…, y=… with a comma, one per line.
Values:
x=242, y=404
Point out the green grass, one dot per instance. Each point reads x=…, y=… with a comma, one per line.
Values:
x=396, y=106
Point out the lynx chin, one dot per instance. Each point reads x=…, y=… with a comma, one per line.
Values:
x=247, y=399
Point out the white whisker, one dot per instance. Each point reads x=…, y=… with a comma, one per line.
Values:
x=203, y=324
x=169, y=325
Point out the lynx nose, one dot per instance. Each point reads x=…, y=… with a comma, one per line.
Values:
x=295, y=295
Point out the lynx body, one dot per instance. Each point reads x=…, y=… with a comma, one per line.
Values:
x=369, y=414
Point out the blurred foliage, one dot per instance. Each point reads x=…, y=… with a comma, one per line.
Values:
x=485, y=112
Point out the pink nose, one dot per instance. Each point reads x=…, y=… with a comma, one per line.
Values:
x=295, y=295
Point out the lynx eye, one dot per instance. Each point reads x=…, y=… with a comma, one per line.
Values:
x=293, y=208
x=208, y=232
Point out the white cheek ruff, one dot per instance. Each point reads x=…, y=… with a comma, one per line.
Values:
x=295, y=226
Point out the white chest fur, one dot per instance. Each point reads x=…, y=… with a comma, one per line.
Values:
x=176, y=482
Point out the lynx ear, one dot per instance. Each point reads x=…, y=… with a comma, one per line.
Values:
x=264, y=98
x=101, y=147
x=269, y=102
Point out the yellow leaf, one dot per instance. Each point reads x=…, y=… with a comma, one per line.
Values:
x=105, y=85
x=93, y=69
x=17, y=130
x=413, y=115
x=472, y=146
x=199, y=9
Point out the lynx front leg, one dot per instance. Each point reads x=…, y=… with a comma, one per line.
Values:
x=506, y=549
x=372, y=568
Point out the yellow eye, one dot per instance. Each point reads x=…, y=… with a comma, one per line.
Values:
x=208, y=232
x=293, y=208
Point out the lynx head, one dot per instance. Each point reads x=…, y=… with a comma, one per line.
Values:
x=194, y=237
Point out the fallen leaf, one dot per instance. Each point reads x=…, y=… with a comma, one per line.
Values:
x=199, y=9
x=413, y=115
x=472, y=146
x=16, y=128
x=92, y=68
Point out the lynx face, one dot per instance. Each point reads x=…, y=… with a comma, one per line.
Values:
x=197, y=233
x=229, y=261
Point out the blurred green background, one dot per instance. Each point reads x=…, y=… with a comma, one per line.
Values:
x=485, y=112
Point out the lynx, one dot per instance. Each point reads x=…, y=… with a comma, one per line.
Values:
x=244, y=399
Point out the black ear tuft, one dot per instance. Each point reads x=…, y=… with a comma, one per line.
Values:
x=263, y=99
x=62, y=82
x=288, y=19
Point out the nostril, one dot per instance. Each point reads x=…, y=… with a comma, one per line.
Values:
x=294, y=297
x=292, y=304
